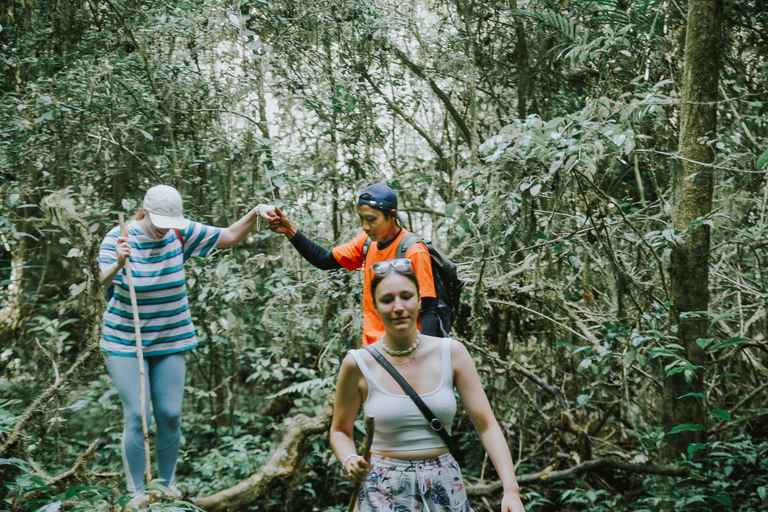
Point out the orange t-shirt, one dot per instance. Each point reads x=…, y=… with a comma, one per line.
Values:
x=351, y=256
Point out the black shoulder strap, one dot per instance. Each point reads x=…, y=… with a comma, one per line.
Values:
x=407, y=241
x=366, y=246
x=434, y=423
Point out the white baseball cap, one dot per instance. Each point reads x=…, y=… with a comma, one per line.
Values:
x=165, y=207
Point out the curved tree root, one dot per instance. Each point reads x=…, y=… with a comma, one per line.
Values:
x=284, y=463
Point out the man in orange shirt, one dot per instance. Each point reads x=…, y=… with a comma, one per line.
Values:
x=377, y=210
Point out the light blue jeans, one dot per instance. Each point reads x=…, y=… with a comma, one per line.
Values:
x=165, y=390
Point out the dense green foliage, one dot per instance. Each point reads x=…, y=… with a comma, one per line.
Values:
x=560, y=221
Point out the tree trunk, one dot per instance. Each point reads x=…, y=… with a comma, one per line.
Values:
x=469, y=7
x=523, y=67
x=689, y=263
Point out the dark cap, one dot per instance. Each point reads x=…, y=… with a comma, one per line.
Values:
x=379, y=196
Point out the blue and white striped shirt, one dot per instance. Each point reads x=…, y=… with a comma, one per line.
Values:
x=161, y=293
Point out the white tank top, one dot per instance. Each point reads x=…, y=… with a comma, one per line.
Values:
x=399, y=424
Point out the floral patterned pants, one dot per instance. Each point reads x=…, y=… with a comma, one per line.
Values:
x=431, y=485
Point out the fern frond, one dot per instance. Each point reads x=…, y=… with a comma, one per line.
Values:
x=303, y=387
x=610, y=13
x=566, y=26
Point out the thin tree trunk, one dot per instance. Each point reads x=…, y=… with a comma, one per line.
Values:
x=469, y=6
x=523, y=65
x=689, y=263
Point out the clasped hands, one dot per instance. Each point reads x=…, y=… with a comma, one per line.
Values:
x=278, y=222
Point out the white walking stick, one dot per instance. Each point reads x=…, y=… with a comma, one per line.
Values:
x=139, y=355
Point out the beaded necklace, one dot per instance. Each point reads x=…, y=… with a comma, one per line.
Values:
x=400, y=352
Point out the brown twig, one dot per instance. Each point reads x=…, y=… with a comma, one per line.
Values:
x=366, y=453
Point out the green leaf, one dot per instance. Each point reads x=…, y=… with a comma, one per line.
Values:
x=723, y=499
x=728, y=375
x=694, y=314
x=48, y=116
x=678, y=369
x=686, y=426
x=703, y=342
x=762, y=160
x=721, y=413
x=222, y=269
x=720, y=317
x=51, y=507
x=732, y=341
x=692, y=395
x=146, y=135
x=694, y=447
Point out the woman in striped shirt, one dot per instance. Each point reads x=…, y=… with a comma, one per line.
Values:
x=159, y=240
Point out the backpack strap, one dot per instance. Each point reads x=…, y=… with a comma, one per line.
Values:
x=406, y=243
x=434, y=423
x=402, y=247
x=366, y=246
x=178, y=235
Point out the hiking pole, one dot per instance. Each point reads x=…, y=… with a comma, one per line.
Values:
x=139, y=355
x=367, y=456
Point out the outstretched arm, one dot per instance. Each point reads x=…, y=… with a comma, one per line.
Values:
x=314, y=253
x=476, y=402
x=348, y=401
x=240, y=229
x=279, y=223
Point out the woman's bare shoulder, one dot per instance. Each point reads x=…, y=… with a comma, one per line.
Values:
x=349, y=363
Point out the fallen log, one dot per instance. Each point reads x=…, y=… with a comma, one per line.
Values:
x=285, y=462
x=547, y=476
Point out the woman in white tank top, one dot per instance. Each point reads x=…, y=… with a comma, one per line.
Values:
x=411, y=467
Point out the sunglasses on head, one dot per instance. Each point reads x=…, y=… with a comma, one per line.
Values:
x=383, y=268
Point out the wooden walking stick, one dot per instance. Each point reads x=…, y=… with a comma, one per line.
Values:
x=366, y=453
x=139, y=355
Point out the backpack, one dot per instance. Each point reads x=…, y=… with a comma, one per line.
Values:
x=447, y=282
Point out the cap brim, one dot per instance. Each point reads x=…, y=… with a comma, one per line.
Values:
x=166, y=222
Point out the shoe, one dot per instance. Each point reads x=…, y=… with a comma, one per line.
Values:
x=139, y=502
x=174, y=491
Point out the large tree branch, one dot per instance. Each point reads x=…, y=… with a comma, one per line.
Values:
x=419, y=71
x=547, y=476
x=565, y=412
x=282, y=466
x=78, y=474
x=14, y=443
x=408, y=119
